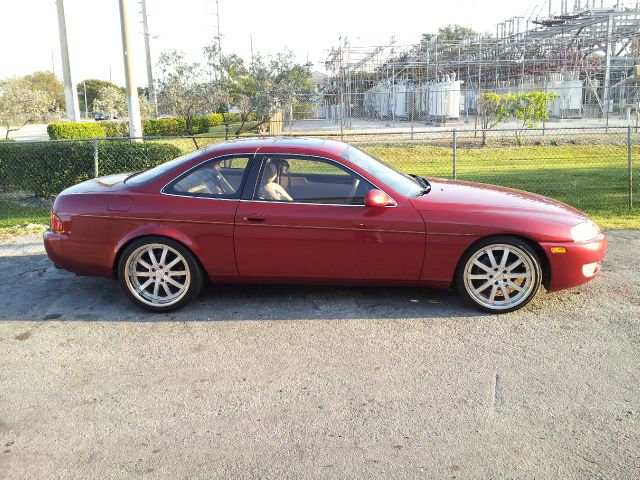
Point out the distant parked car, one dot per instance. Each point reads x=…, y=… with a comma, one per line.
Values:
x=316, y=211
x=100, y=116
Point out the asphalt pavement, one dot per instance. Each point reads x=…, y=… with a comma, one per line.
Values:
x=316, y=382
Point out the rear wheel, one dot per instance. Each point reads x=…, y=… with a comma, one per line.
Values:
x=159, y=274
x=499, y=274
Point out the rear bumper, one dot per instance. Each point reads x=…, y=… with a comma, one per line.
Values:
x=64, y=254
x=579, y=264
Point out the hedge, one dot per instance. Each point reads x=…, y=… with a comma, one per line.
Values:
x=116, y=129
x=48, y=168
x=67, y=130
x=161, y=127
x=165, y=127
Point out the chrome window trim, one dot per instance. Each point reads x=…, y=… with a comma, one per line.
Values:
x=307, y=203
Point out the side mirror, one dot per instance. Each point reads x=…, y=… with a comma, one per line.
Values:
x=377, y=198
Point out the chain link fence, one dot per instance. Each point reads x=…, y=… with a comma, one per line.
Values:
x=596, y=170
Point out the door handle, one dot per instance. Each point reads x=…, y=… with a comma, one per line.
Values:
x=255, y=217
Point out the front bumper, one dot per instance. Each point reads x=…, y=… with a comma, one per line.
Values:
x=574, y=266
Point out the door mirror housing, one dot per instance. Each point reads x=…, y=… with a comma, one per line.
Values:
x=377, y=198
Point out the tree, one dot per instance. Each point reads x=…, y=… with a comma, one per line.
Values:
x=145, y=106
x=265, y=87
x=452, y=33
x=21, y=104
x=491, y=111
x=111, y=101
x=49, y=83
x=93, y=89
x=529, y=108
x=184, y=88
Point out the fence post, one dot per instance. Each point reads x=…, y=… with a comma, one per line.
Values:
x=95, y=159
x=455, y=154
x=630, y=163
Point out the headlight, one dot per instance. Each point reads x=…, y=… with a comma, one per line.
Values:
x=584, y=232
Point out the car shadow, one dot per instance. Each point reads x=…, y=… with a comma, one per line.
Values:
x=35, y=290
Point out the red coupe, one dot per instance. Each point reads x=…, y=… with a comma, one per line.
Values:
x=281, y=210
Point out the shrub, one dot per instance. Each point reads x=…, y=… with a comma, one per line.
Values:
x=69, y=130
x=215, y=119
x=47, y=168
x=116, y=129
x=6, y=140
x=165, y=127
x=201, y=124
x=124, y=156
x=232, y=117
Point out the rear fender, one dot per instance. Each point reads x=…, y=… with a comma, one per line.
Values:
x=153, y=229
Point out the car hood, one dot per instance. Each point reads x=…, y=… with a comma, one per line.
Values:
x=456, y=195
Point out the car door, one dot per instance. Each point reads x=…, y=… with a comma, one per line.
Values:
x=309, y=221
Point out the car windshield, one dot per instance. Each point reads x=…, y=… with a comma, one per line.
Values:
x=139, y=178
x=394, y=178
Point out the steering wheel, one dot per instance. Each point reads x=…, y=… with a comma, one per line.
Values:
x=354, y=189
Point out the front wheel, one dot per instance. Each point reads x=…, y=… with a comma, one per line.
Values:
x=499, y=274
x=159, y=274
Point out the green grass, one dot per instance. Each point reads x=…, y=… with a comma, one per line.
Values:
x=219, y=130
x=12, y=215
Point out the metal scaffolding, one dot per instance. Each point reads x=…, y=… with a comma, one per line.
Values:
x=589, y=55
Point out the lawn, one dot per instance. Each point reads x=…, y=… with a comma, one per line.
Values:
x=219, y=130
x=592, y=178
x=12, y=215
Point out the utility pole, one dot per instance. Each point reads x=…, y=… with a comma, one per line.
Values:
x=606, y=100
x=218, y=27
x=86, y=107
x=70, y=93
x=133, y=106
x=147, y=50
x=251, y=45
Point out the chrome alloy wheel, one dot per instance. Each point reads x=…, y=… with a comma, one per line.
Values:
x=157, y=274
x=500, y=276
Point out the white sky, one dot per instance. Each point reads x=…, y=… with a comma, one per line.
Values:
x=30, y=41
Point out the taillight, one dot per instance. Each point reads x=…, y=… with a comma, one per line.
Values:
x=55, y=224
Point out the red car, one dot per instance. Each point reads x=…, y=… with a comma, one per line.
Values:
x=280, y=210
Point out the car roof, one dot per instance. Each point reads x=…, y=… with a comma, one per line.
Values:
x=277, y=144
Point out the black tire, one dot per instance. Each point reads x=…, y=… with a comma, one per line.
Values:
x=175, y=275
x=499, y=285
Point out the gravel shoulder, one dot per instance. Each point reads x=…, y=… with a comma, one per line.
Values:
x=316, y=382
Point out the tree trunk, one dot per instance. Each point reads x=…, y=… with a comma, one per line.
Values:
x=226, y=123
x=239, y=130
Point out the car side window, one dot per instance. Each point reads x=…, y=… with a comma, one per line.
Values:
x=309, y=180
x=219, y=177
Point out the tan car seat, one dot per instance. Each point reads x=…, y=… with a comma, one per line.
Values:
x=269, y=189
